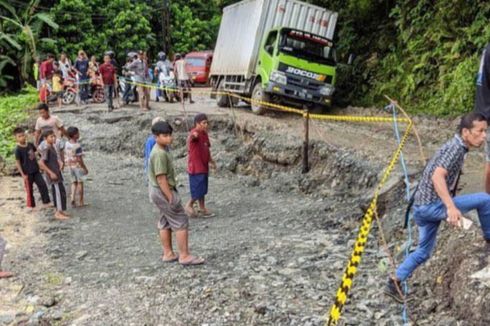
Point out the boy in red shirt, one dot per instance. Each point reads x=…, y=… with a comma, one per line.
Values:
x=199, y=158
x=108, y=73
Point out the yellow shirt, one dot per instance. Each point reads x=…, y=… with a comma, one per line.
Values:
x=57, y=85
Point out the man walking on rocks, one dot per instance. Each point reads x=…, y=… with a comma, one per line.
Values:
x=163, y=193
x=433, y=202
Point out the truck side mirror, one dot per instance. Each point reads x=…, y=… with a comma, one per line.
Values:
x=351, y=59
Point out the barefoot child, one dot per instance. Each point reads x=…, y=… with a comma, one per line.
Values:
x=50, y=163
x=199, y=158
x=25, y=160
x=163, y=193
x=74, y=161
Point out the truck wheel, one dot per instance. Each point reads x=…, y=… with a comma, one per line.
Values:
x=222, y=98
x=320, y=109
x=258, y=94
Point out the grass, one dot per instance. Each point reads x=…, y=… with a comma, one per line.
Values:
x=14, y=109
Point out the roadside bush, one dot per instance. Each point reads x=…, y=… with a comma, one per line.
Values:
x=14, y=110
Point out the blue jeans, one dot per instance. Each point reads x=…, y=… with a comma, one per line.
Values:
x=428, y=217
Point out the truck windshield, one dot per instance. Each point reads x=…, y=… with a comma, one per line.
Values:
x=195, y=62
x=307, y=46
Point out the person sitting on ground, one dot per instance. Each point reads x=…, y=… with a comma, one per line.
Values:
x=199, y=158
x=58, y=87
x=3, y=274
x=183, y=81
x=150, y=142
x=163, y=193
x=433, y=202
x=26, y=162
x=47, y=121
x=74, y=161
x=50, y=164
x=109, y=79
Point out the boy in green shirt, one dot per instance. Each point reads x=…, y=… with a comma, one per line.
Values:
x=163, y=193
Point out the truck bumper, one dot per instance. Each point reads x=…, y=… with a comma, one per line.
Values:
x=297, y=94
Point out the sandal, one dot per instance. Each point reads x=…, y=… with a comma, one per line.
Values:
x=190, y=211
x=193, y=261
x=171, y=260
x=206, y=213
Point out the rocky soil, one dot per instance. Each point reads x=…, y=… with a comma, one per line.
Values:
x=275, y=250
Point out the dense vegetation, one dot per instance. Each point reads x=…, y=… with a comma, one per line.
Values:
x=14, y=110
x=425, y=53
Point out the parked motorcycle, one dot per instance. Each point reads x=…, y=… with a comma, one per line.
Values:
x=70, y=89
x=130, y=95
x=170, y=91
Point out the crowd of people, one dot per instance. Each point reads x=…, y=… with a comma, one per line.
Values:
x=54, y=152
x=138, y=73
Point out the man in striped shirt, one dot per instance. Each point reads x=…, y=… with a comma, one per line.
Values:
x=434, y=203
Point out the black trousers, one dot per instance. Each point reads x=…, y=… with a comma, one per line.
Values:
x=59, y=196
x=38, y=179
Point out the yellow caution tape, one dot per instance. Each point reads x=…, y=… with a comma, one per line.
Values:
x=278, y=107
x=362, y=237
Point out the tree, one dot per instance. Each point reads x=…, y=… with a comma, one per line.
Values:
x=128, y=27
x=77, y=32
x=22, y=31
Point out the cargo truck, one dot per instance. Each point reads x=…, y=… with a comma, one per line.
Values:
x=278, y=51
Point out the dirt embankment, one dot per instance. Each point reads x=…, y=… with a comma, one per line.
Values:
x=275, y=250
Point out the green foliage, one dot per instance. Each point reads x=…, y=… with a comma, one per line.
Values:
x=21, y=30
x=194, y=29
x=130, y=27
x=76, y=30
x=14, y=110
x=424, y=53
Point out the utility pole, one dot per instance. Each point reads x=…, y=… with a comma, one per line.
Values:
x=166, y=26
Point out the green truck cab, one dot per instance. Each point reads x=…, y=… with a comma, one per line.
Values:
x=295, y=68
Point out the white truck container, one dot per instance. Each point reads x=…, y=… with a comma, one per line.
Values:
x=244, y=24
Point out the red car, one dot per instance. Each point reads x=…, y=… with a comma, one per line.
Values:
x=198, y=65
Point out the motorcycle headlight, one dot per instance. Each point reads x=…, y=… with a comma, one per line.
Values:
x=327, y=90
x=279, y=77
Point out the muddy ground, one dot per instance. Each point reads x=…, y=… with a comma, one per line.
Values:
x=275, y=250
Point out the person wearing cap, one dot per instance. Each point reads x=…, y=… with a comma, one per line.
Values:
x=199, y=159
x=139, y=67
x=163, y=193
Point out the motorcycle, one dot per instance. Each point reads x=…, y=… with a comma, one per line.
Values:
x=97, y=89
x=69, y=89
x=169, y=91
x=130, y=95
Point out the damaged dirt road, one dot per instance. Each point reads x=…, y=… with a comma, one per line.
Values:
x=275, y=250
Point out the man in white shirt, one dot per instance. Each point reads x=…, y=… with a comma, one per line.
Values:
x=182, y=76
